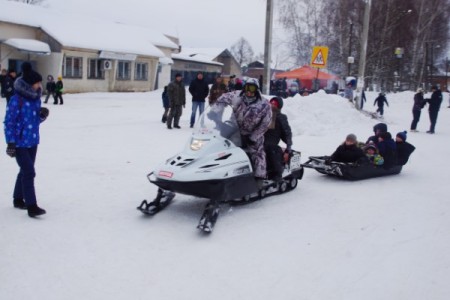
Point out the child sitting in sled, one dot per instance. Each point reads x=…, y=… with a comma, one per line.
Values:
x=373, y=155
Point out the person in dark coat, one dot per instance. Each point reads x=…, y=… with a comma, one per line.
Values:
x=348, y=152
x=279, y=130
x=378, y=129
x=177, y=100
x=50, y=87
x=404, y=149
x=379, y=101
x=217, y=89
x=433, y=107
x=2, y=79
x=387, y=149
x=22, y=120
x=199, y=90
x=419, y=103
x=166, y=104
x=9, y=84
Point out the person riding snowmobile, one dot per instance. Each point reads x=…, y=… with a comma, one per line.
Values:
x=253, y=115
x=279, y=129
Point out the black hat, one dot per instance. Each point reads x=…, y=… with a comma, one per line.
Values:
x=382, y=127
x=178, y=75
x=434, y=87
x=29, y=75
x=402, y=135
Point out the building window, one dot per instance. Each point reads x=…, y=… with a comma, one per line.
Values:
x=96, y=69
x=73, y=67
x=141, y=71
x=123, y=70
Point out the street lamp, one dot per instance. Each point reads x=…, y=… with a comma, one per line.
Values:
x=350, y=59
x=399, y=54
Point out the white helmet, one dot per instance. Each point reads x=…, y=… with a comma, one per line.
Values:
x=252, y=81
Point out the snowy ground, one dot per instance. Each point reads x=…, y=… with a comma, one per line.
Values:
x=385, y=238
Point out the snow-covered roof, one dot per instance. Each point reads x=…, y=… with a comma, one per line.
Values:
x=86, y=33
x=203, y=55
x=29, y=45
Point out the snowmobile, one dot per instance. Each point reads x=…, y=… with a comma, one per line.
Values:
x=349, y=171
x=213, y=165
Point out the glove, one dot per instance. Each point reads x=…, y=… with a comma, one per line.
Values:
x=43, y=113
x=287, y=154
x=11, y=149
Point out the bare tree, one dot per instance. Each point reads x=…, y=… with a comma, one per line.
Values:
x=242, y=51
x=419, y=27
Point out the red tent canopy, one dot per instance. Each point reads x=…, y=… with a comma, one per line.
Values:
x=306, y=73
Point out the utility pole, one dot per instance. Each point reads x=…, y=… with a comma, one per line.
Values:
x=268, y=47
x=446, y=74
x=362, y=55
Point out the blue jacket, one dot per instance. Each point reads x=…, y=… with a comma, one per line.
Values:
x=22, y=116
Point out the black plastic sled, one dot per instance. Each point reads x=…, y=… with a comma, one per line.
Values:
x=349, y=171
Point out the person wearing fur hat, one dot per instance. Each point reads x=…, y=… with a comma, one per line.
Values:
x=22, y=119
x=378, y=129
x=419, y=103
x=404, y=149
x=279, y=130
x=348, y=151
x=253, y=115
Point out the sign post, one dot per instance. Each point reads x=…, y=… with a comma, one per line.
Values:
x=319, y=60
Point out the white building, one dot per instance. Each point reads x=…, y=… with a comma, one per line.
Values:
x=91, y=55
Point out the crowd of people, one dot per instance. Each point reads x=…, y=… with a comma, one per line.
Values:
x=380, y=149
x=261, y=122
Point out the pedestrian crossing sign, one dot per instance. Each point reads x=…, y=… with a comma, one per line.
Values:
x=319, y=57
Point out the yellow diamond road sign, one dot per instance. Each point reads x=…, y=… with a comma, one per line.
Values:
x=319, y=57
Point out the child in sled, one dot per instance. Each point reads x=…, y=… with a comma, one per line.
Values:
x=404, y=149
x=373, y=155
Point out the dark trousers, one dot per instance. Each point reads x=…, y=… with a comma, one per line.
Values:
x=433, y=119
x=274, y=157
x=24, y=188
x=164, y=116
x=48, y=96
x=58, y=96
x=416, y=118
x=174, y=114
x=380, y=110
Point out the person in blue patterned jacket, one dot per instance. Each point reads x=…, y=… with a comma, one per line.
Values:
x=253, y=115
x=22, y=119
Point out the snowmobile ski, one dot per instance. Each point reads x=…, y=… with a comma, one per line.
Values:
x=209, y=217
x=162, y=200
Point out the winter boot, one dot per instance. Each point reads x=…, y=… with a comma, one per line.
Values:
x=34, y=211
x=19, y=203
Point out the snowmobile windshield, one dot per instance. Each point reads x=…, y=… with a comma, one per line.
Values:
x=219, y=118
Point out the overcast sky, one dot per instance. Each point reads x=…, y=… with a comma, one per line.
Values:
x=198, y=23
